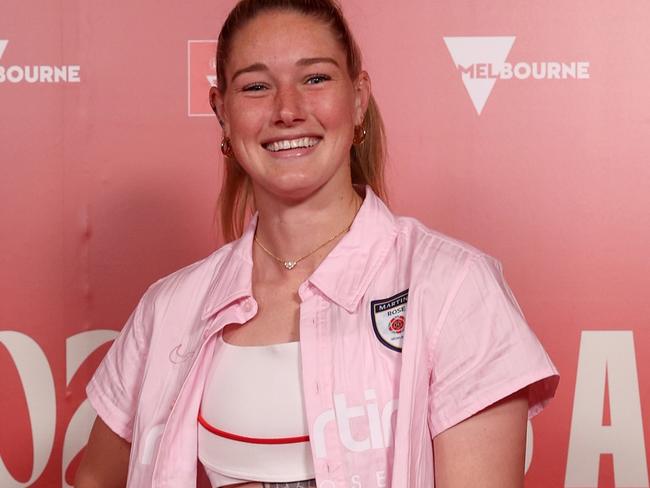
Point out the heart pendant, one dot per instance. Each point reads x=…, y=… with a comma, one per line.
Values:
x=289, y=264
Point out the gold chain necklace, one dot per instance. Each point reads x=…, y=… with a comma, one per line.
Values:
x=290, y=264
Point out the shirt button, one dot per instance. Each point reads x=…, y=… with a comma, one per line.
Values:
x=248, y=306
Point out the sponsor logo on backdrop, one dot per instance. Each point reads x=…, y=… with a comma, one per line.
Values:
x=38, y=376
x=481, y=61
x=40, y=73
x=201, y=75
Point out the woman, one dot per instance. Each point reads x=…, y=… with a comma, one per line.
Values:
x=331, y=342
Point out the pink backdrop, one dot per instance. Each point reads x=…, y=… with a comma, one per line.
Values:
x=110, y=173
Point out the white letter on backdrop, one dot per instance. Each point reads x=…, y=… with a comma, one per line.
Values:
x=606, y=354
x=36, y=378
x=77, y=349
x=529, y=446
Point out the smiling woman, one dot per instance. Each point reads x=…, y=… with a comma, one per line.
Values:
x=332, y=49
x=282, y=86
x=331, y=343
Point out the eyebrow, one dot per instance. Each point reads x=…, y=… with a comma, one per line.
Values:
x=301, y=62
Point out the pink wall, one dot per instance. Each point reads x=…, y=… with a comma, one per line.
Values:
x=108, y=184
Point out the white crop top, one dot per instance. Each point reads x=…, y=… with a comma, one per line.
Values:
x=252, y=424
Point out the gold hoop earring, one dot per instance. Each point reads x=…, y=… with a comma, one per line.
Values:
x=226, y=148
x=359, y=134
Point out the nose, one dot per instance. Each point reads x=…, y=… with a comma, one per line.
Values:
x=289, y=106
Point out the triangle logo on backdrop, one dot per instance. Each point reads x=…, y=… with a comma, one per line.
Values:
x=3, y=45
x=469, y=51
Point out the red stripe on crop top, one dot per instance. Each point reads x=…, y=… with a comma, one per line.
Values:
x=251, y=440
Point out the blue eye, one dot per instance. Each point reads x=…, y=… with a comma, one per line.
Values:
x=316, y=79
x=254, y=87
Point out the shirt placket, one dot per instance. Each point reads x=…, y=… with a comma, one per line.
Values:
x=238, y=313
x=316, y=340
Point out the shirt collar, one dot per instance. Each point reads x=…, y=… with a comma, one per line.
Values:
x=347, y=271
x=233, y=275
x=343, y=276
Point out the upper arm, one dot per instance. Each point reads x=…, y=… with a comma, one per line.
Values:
x=114, y=390
x=105, y=461
x=487, y=450
x=489, y=375
x=482, y=351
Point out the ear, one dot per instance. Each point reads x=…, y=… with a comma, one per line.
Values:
x=362, y=93
x=217, y=104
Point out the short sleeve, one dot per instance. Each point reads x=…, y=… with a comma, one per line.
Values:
x=114, y=389
x=483, y=350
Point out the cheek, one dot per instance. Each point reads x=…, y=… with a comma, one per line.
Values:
x=247, y=119
x=336, y=111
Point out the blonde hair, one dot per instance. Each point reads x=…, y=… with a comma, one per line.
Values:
x=366, y=159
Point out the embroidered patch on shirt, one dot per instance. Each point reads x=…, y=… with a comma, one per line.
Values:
x=389, y=319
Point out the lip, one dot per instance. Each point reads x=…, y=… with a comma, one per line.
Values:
x=292, y=153
x=288, y=137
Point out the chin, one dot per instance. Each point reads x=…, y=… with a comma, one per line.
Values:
x=295, y=190
x=297, y=193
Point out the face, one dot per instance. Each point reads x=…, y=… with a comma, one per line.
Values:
x=290, y=106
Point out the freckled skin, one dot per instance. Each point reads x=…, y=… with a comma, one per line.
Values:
x=284, y=100
x=287, y=99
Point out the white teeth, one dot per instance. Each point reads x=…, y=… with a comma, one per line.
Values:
x=291, y=144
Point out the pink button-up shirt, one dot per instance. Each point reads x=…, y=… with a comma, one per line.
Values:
x=404, y=333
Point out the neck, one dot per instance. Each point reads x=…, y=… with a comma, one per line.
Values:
x=291, y=230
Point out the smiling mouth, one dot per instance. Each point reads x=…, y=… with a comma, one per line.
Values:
x=286, y=144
